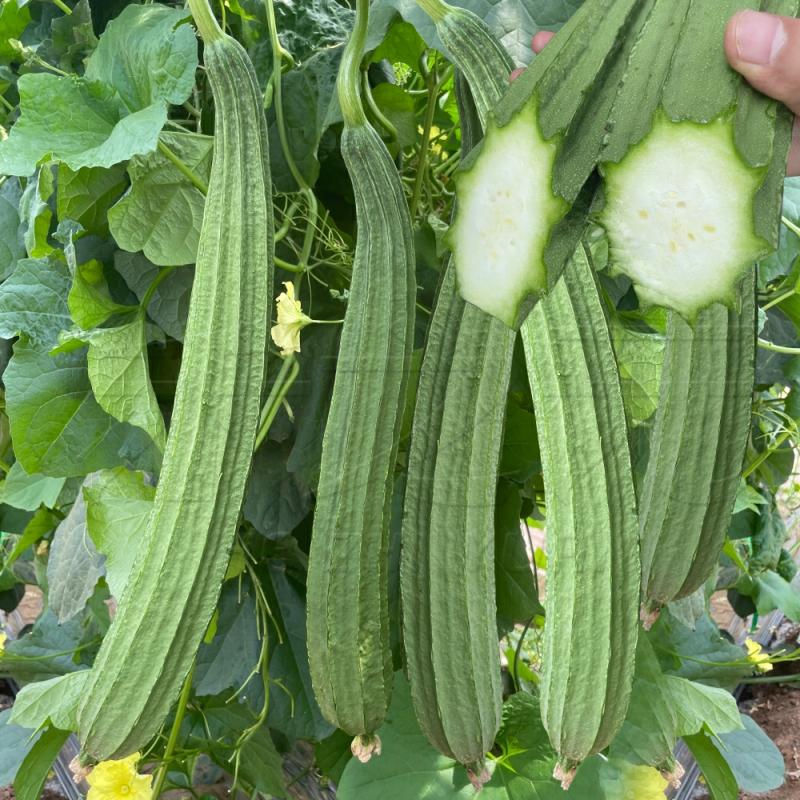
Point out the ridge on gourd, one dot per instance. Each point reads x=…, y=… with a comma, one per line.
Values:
x=593, y=578
x=686, y=236
x=532, y=164
x=168, y=602
x=703, y=419
x=348, y=614
x=452, y=655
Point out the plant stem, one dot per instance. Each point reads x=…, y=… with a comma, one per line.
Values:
x=766, y=454
x=183, y=168
x=278, y=54
x=5, y=103
x=180, y=712
x=163, y=274
x=63, y=6
x=777, y=348
x=373, y=108
x=279, y=390
x=779, y=299
x=791, y=226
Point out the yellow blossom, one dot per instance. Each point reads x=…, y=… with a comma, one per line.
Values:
x=3, y=640
x=755, y=656
x=119, y=780
x=642, y=783
x=291, y=320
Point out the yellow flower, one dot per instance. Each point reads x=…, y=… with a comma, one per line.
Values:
x=755, y=656
x=3, y=640
x=643, y=783
x=291, y=320
x=119, y=780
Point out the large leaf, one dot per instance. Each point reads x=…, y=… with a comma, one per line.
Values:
x=77, y=122
x=776, y=592
x=163, y=212
x=640, y=357
x=718, y=775
x=14, y=18
x=85, y=195
x=118, y=505
x=33, y=301
x=28, y=492
x=74, y=566
x=15, y=744
x=53, y=701
x=57, y=426
x=753, y=757
x=37, y=764
x=11, y=244
x=294, y=712
x=120, y=377
x=229, y=659
x=147, y=56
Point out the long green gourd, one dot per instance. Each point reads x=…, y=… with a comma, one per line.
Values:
x=348, y=624
x=447, y=578
x=593, y=571
x=168, y=602
x=446, y=569
x=703, y=419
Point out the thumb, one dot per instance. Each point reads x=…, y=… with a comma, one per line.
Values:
x=765, y=48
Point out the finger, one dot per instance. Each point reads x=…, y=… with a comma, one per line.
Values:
x=540, y=40
x=793, y=168
x=515, y=74
x=765, y=48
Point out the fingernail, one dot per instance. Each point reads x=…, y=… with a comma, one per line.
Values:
x=759, y=37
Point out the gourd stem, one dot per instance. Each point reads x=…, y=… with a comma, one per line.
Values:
x=182, y=167
x=278, y=54
x=437, y=10
x=373, y=108
x=206, y=22
x=278, y=392
x=349, y=83
x=174, y=732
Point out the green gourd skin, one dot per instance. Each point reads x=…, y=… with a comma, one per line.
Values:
x=593, y=579
x=348, y=615
x=447, y=578
x=170, y=598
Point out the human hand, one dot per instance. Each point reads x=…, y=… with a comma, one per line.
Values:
x=765, y=49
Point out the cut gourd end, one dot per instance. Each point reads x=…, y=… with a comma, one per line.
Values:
x=679, y=215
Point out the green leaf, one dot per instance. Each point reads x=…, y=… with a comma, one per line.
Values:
x=85, y=195
x=517, y=593
x=753, y=757
x=57, y=426
x=775, y=592
x=71, y=120
x=398, y=107
x=28, y=492
x=34, y=770
x=45, y=651
x=640, y=357
x=12, y=246
x=53, y=702
x=216, y=731
x=389, y=777
x=36, y=213
x=72, y=38
x=520, y=458
x=169, y=304
x=309, y=109
x=748, y=498
x=228, y=661
x=297, y=716
x=147, y=56
x=14, y=18
x=163, y=212
x=15, y=744
x=74, y=565
x=276, y=500
x=118, y=504
x=689, y=609
x=782, y=261
x=718, y=775
x=525, y=768
x=120, y=377
x=42, y=522
x=698, y=706
x=33, y=301
x=89, y=300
